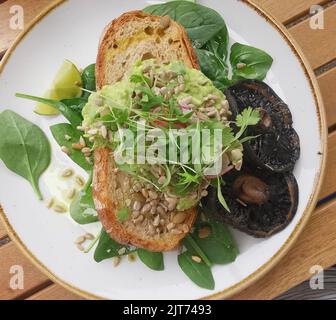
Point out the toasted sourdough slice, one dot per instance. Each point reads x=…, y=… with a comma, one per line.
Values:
x=135, y=36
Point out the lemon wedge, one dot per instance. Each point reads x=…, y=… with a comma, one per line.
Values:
x=66, y=85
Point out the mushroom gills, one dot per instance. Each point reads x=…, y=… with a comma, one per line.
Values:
x=261, y=204
x=277, y=145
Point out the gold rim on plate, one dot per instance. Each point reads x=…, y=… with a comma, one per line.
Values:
x=243, y=284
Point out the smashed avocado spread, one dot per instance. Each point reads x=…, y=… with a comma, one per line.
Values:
x=180, y=102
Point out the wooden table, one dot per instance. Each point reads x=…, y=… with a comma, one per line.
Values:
x=317, y=243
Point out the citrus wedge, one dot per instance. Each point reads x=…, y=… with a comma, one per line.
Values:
x=66, y=85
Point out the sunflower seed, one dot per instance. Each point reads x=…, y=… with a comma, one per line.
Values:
x=179, y=218
x=65, y=150
x=67, y=173
x=80, y=240
x=80, y=247
x=122, y=251
x=137, y=206
x=204, y=232
x=60, y=208
x=116, y=261
x=89, y=236
x=196, y=259
x=50, y=203
x=80, y=181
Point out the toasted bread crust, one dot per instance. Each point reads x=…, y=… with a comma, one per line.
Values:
x=103, y=189
x=108, y=37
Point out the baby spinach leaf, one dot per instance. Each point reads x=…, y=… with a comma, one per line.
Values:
x=73, y=117
x=60, y=131
x=75, y=104
x=192, y=246
x=199, y=273
x=219, y=245
x=214, y=68
x=201, y=23
x=257, y=62
x=218, y=44
x=89, y=80
x=108, y=248
x=24, y=148
x=153, y=260
x=82, y=209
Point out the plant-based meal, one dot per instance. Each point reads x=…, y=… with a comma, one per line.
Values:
x=179, y=136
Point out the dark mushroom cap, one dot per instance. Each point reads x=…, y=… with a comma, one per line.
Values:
x=277, y=148
x=261, y=204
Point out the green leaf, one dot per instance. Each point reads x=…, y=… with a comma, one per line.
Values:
x=82, y=208
x=108, y=248
x=123, y=214
x=214, y=68
x=200, y=22
x=218, y=44
x=193, y=247
x=219, y=246
x=199, y=273
x=59, y=131
x=153, y=260
x=24, y=148
x=220, y=195
x=257, y=62
x=75, y=104
x=73, y=117
x=248, y=117
x=89, y=80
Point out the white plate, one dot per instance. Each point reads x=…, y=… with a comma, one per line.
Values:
x=71, y=31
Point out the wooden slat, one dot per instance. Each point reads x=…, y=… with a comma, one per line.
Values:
x=3, y=232
x=33, y=278
x=327, y=82
x=329, y=185
x=54, y=292
x=319, y=46
x=31, y=9
x=311, y=249
x=287, y=10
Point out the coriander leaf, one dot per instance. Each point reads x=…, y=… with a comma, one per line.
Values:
x=139, y=78
x=249, y=117
x=199, y=273
x=153, y=260
x=24, y=148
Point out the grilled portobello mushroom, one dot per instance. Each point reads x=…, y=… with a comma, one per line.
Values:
x=277, y=146
x=261, y=203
